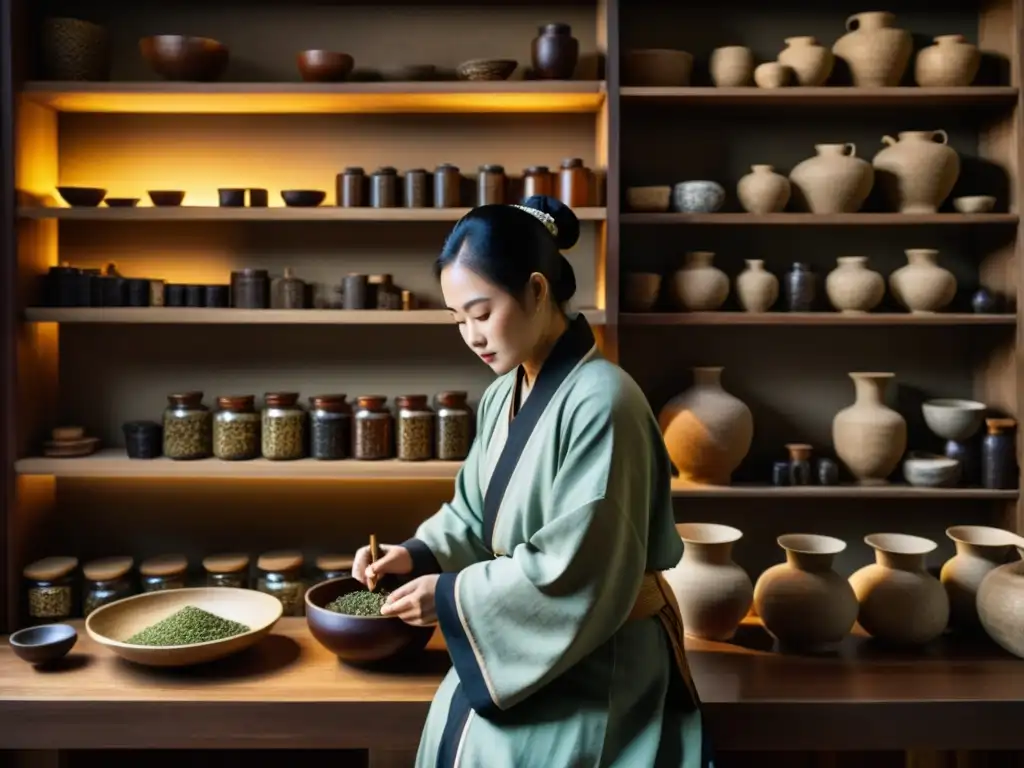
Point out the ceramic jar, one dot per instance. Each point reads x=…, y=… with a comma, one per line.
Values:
x=713, y=593
x=698, y=196
x=876, y=51
x=555, y=52
x=922, y=286
x=700, y=286
x=801, y=288
x=707, y=431
x=732, y=66
x=803, y=602
x=979, y=550
x=852, y=287
x=73, y=49
x=1001, y=604
x=916, y=172
x=835, y=180
x=811, y=63
x=757, y=289
x=951, y=62
x=900, y=602
x=763, y=190
x=772, y=74
x=999, y=454
x=868, y=436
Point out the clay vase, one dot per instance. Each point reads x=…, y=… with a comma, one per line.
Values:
x=555, y=52
x=876, y=52
x=707, y=431
x=979, y=550
x=900, y=602
x=869, y=437
x=732, y=66
x=952, y=62
x=811, y=63
x=763, y=190
x=772, y=74
x=852, y=287
x=1001, y=604
x=833, y=181
x=922, y=286
x=804, y=604
x=714, y=594
x=917, y=173
x=757, y=289
x=700, y=286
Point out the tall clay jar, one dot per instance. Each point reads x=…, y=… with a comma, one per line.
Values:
x=803, y=602
x=555, y=52
x=763, y=190
x=918, y=171
x=979, y=550
x=757, y=289
x=900, y=602
x=876, y=51
x=999, y=454
x=1001, y=603
x=700, y=286
x=869, y=437
x=811, y=62
x=951, y=62
x=713, y=593
x=835, y=180
x=732, y=66
x=852, y=287
x=922, y=286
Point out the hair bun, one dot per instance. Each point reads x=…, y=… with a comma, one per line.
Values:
x=566, y=221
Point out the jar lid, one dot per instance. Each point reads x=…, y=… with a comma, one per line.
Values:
x=107, y=568
x=537, y=169
x=386, y=170
x=454, y=397
x=492, y=169
x=379, y=279
x=280, y=560
x=371, y=402
x=417, y=170
x=447, y=167
x=281, y=399
x=556, y=28
x=187, y=399
x=228, y=563
x=141, y=426
x=996, y=426
x=329, y=402
x=164, y=565
x=237, y=403
x=50, y=568
x=411, y=401
x=354, y=170
x=335, y=562
x=261, y=274
x=572, y=162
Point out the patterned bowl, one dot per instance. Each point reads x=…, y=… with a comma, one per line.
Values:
x=486, y=69
x=698, y=196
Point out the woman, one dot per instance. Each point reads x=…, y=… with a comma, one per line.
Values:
x=567, y=648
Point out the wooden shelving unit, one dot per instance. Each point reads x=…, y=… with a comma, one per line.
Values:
x=269, y=214
x=838, y=96
x=815, y=319
x=823, y=219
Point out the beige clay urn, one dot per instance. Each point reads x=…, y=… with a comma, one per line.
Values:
x=732, y=66
x=757, y=289
x=852, y=287
x=1001, y=603
x=917, y=170
x=835, y=180
x=700, y=286
x=921, y=285
x=980, y=549
x=811, y=62
x=951, y=62
x=875, y=50
x=763, y=190
x=869, y=437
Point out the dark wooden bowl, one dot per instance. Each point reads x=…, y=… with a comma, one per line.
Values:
x=122, y=202
x=303, y=198
x=179, y=57
x=82, y=197
x=324, y=66
x=486, y=69
x=43, y=644
x=358, y=639
x=166, y=197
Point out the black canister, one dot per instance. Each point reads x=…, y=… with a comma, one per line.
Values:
x=63, y=287
x=258, y=198
x=780, y=473
x=384, y=188
x=447, y=186
x=999, y=455
x=113, y=290
x=828, y=472
x=195, y=295
x=143, y=439
x=555, y=52
x=231, y=198
x=138, y=292
x=417, y=188
x=215, y=296
x=92, y=288
x=355, y=292
x=250, y=289
x=350, y=188
x=800, y=288
x=174, y=295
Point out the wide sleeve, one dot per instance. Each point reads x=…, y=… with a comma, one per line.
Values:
x=513, y=624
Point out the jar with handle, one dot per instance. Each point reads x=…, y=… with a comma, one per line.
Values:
x=835, y=180
x=917, y=170
x=876, y=51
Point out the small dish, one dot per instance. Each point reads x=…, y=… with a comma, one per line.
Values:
x=179, y=57
x=316, y=66
x=974, y=203
x=231, y=198
x=929, y=470
x=166, y=198
x=121, y=202
x=486, y=69
x=303, y=198
x=649, y=199
x=82, y=197
x=43, y=644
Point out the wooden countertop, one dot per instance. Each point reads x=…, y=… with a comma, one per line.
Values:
x=290, y=692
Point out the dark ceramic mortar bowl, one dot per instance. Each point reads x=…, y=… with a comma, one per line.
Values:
x=82, y=197
x=43, y=644
x=358, y=639
x=303, y=198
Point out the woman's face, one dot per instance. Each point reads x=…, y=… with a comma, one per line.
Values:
x=500, y=330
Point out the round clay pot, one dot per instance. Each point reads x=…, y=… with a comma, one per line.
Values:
x=835, y=180
x=772, y=74
x=952, y=62
x=555, y=52
x=922, y=286
x=700, y=286
x=763, y=190
x=707, y=431
x=1001, y=604
x=803, y=602
x=876, y=52
x=868, y=436
x=916, y=172
x=900, y=602
x=714, y=594
x=979, y=550
x=852, y=287
x=732, y=66
x=757, y=289
x=640, y=291
x=811, y=63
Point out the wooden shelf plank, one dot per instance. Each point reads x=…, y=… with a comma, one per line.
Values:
x=681, y=489
x=206, y=316
x=813, y=318
x=906, y=97
x=281, y=213
x=821, y=219
x=536, y=96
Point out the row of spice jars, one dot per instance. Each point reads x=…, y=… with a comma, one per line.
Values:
x=573, y=183
x=52, y=582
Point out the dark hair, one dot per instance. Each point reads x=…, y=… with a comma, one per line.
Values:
x=505, y=245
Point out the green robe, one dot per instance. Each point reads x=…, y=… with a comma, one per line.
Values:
x=558, y=512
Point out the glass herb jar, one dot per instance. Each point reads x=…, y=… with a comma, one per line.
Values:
x=288, y=292
x=454, y=426
x=371, y=428
x=538, y=181
x=490, y=185
x=350, y=188
x=384, y=188
x=106, y=580
x=330, y=427
x=236, y=428
x=574, y=183
x=447, y=186
x=188, y=427
x=230, y=570
x=333, y=567
x=250, y=289
x=281, y=576
x=51, y=584
x=284, y=426
x=163, y=572
x=417, y=191
x=414, y=431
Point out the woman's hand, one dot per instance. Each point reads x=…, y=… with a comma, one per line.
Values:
x=413, y=603
x=394, y=560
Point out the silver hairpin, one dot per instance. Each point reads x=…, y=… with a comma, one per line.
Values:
x=544, y=218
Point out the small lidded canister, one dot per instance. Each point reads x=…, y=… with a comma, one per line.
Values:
x=236, y=428
x=447, y=186
x=371, y=428
x=330, y=427
x=351, y=188
x=574, y=183
x=334, y=566
x=51, y=587
x=454, y=426
x=384, y=188
x=490, y=185
x=281, y=576
x=163, y=572
x=417, y=188
x=106, y=581
x=414, y=430
x=538, y=180
x=227, y=570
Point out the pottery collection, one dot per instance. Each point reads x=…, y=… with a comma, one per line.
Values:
x=922, y=286
x=700, y=286
x=835, y=180
x=757, y=289
x=917, y=171
x=763, y=190
x=852, y=287
x=869, y=437
x=875, y=50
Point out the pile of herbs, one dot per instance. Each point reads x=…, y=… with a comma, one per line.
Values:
x=188, y=626
x=361, y=603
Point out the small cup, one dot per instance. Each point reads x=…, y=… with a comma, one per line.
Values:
x=43, y=644
x=216, y=296
x=174, y=295
x=231, y=198
x=143, y=439
x=258, y=198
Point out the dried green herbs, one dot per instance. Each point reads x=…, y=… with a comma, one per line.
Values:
x=360, y=603
x=188, y=626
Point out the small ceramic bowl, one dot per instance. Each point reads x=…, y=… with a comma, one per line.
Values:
x=974, y=203
x=303, y=198
x=43, y=644
x=82, y=197
x=486, y=69
x=121, y=202
x=179, y=57
x=166, y=198
x=317, y=66
x=698, y=196
x=953, y=419
x=231, y=197
x=929, y=470
x=649, y=199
